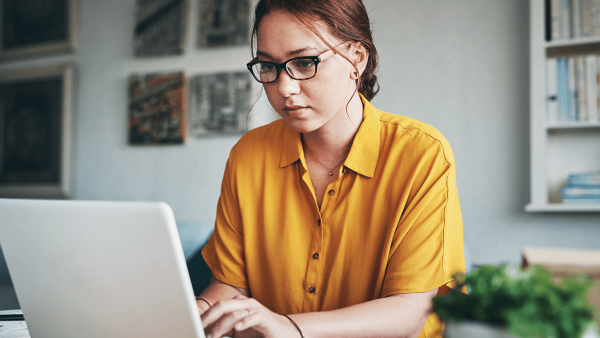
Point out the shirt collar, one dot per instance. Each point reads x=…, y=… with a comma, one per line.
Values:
x=365, y=148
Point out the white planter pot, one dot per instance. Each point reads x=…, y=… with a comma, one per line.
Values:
x=468, y=329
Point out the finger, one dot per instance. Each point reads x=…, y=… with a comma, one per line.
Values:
x=222, y=308
x=226, y=323
x=202, y=306
x=255, y=321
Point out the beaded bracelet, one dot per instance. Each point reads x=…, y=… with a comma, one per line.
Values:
x=207, y=302
x=293, y=322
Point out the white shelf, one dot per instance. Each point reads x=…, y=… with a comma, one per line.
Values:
x=560, y=148
x=563, y=207
x=573, y=42
x=572, y=125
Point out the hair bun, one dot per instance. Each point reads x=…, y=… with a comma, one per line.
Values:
x=368, y=86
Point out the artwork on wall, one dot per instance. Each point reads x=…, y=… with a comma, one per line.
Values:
x=157, y=108
x=220, y=103
x=160, y=27
x=35, y=132
x=223, y=23
x=33, y=27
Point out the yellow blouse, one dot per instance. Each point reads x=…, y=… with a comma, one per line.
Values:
x=391, y=223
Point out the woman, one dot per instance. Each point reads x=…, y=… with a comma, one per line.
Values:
x=340, y=217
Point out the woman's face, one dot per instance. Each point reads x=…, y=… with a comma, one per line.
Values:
x=306, y=105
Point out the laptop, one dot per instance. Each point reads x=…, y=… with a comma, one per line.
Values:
x=98, y=269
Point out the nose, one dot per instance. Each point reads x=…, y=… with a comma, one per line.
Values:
x=286, y=85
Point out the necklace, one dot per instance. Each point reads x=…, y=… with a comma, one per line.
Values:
x=330, y=169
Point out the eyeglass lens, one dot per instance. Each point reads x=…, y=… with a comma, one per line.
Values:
x=299, y=69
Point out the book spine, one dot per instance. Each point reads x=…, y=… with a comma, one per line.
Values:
x=581, y=92
x=572, y=89
x=565, y=17
x=592, y=91
x=585, y=17
x=563, y=89
x=581, y=200
x=576, y=18
x=596, y=17
x=591, y=17
x=597, y=88
x=582, y=191
x=551, y=90
x=585, y=179
x=555, y=15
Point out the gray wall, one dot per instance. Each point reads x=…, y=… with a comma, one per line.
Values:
x=459, y=65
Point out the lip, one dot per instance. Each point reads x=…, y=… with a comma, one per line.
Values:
x=293, y=107
x=294, y=111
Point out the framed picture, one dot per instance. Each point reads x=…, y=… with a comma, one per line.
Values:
x=220, y=103
x=36, y=112
x=157, y=111
x=33, y=27
x=160, y=27
x=223, y=23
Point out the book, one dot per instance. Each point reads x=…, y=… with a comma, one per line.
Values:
x=581, y=92
x=585, y=17
x=591, y=178
x=551, y=91
x=581, y=191
x=572, y=89
x=555, y=19
x=563, y=89
x=597, y=85
x=565, y=17
x=576, y=18
x=11, y=315
x=595, y=15
x=581, y=200
x=592, y=92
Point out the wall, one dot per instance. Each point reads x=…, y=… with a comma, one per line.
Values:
x=460, y=65
x=463, y=67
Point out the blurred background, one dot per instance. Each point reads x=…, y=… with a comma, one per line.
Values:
x=460, y=65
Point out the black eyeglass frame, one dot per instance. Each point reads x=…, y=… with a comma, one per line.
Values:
x=283, y=65
x=316, y=59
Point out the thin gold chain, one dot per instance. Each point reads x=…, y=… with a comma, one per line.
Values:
x=330, y=170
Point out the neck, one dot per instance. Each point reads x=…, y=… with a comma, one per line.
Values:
x=332, y=142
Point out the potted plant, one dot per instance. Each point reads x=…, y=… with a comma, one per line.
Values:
x=505, y=301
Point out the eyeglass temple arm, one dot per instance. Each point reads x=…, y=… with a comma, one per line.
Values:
x=326, y=55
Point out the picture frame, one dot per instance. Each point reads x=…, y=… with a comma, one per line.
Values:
x=220, y=103
x=33, y=27
x=223, y=23
x=160, y=27
x=36, y=124
x=157, y=108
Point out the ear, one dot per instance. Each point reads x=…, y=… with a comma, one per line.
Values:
x=360, y=56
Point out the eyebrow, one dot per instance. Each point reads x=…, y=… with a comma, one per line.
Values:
x=292, y=53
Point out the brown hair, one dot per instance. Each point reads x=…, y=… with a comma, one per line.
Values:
x=346, y=19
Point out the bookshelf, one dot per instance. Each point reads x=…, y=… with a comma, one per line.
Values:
x=560, y=148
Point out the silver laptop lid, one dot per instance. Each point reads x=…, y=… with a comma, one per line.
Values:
x=98, y=269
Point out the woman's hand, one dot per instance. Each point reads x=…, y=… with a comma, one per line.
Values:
x=202, y=306
x=248, y=318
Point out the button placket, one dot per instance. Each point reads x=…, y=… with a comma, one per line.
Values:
x=313, y=273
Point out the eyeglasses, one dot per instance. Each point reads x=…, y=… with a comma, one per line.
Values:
x=300, y=68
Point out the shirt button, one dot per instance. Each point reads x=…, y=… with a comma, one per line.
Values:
x=331, y=192
x=311, y=289
x=315, y=256
x=319, y=222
